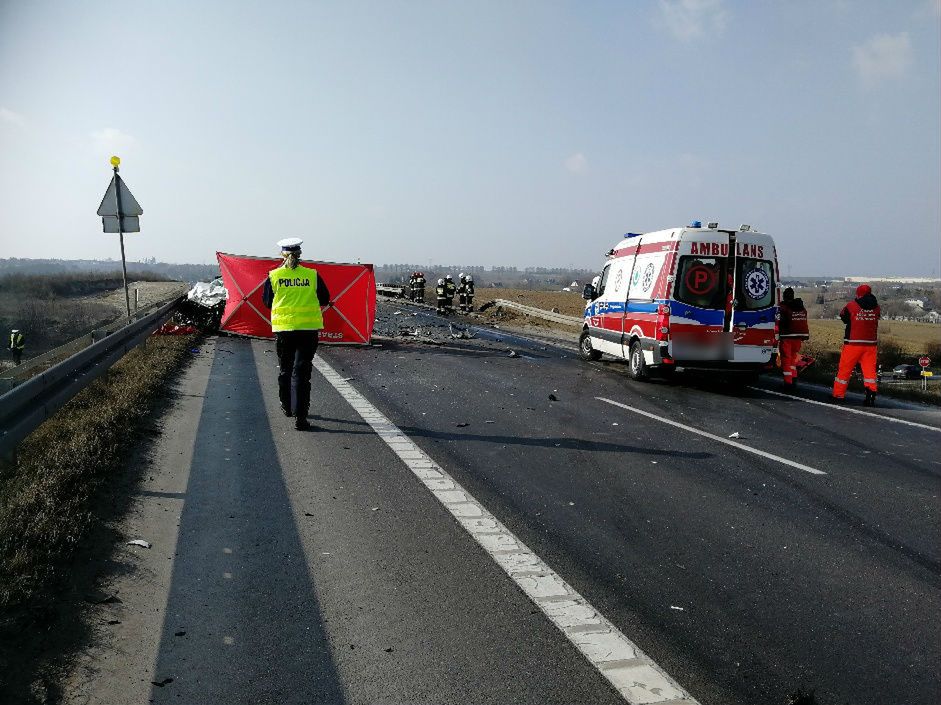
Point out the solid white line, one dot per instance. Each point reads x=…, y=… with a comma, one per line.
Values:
x=849, y=411
x=720, y=439
x=634, y=674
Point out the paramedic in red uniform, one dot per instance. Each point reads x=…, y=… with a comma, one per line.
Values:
x=860, y=343
x=793, y=331
x=296, y=296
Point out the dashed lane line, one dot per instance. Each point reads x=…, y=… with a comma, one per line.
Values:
x=635, y=675
x=848, y=410
x=720, y=439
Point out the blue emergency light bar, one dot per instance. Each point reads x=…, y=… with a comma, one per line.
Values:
x=696, y=224
x=632, y=234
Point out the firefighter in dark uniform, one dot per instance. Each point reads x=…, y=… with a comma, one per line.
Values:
x=410, y=288
x=296, y=296
x=441, y=295
x=860, y=344
x=462, y=292
x=449, y=289
x=793, y=331
x=469, y=292
x=420, y=288
x=17, y=345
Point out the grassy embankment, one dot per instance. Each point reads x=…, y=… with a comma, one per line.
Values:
x=53, y=309
x=47, y=497
x=900, y=341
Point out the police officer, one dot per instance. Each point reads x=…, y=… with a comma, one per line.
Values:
x=793, y=331
x=449, y=289
x=420, y=288
x=296, y=296
x=17, y=345
x=860, y=344
x=441, y=295
x=462, y=292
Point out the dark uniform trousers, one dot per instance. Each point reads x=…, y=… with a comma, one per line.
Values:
x=295, y=349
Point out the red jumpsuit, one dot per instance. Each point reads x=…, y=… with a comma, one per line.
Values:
x=860, y=342
x=793, y=331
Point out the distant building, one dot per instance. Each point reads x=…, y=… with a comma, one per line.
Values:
x=891, y=280
x=916, y=303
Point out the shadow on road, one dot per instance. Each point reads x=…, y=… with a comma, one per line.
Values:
x=243, y=622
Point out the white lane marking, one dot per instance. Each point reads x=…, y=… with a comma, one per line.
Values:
x=720, y=439
x=848, y=410
x=635, y=675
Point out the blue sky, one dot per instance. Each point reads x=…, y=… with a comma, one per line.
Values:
x=521, y=133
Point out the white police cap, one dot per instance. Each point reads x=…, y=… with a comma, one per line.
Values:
x=290, y=244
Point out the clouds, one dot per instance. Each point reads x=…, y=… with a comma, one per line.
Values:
x=687, y=20
x=110, y=140
x=577, y=163
x=884, y=57
x=11, y=117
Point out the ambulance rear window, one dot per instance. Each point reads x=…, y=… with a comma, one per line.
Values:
x=701, y=281
x=755, y=283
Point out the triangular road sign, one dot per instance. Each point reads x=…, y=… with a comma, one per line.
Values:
x=109, y=204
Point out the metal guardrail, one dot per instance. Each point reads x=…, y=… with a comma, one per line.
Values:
x=13, y=376
x=26, y=406
x=540, y=313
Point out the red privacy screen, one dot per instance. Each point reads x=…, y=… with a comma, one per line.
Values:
x=348, y=320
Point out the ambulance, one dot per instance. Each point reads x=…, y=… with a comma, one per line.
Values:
x=689, y=298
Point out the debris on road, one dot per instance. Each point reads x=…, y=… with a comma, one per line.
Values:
x=208, y=294
x=462, y=424
x=553, y=397
x=160, y=684
x=180, y=633
x=513, y=353
x=102, y=599
x=674, y=607
x=139, y=542
x=459, y=333
x=735, y=435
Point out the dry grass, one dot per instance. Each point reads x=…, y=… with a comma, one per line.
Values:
x=46, y=505
x=569, y=303
x=912, y=338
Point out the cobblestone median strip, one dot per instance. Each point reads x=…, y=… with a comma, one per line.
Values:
x=634, y=674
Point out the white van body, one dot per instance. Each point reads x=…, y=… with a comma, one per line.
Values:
x=690, y=297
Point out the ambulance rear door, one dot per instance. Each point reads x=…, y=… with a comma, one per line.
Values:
x=701, y=301
x=752, y=318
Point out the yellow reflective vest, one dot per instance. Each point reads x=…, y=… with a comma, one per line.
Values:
x=17, y=341
x=295, y=305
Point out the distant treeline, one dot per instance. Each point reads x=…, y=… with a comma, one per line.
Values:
x=63, y=284
x=170, y=271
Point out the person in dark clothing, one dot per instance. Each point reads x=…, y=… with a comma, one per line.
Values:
x=469, y=293
x=17, y=345
x=449, y=290
x=420, y=288
x=793, y=331
x=296, y=296
x=441, y=296
x=860, y=344
x=462, y=292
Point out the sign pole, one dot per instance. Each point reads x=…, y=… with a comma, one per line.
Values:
x=115, y=162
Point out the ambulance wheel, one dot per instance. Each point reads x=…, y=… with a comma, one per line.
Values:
x=585, y=350
x=637, y=366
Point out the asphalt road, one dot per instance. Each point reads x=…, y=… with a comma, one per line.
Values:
x=315, y=567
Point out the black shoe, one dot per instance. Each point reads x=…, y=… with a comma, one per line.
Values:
x=870, y=398
x=302, y=424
